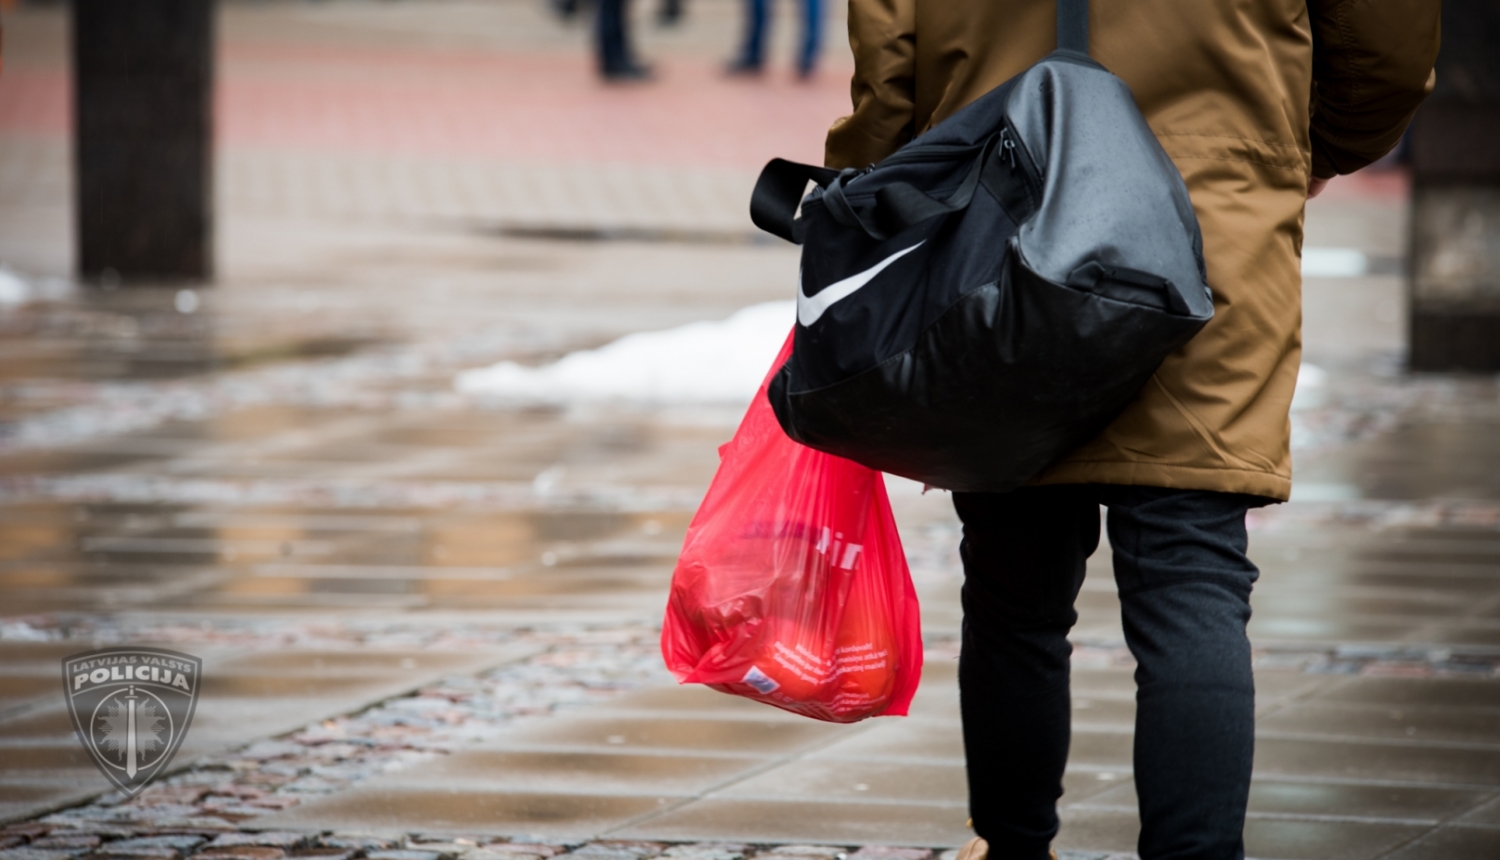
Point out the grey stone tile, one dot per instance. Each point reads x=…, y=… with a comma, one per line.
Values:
x=380, y=663
x=394, y=811
x=1103, y=713
x=256, y=852
x=1276, y=687
x=1452, y=843
x=695, y=698
x=808, y=821
x=1323, y=840
x=892, y=739
x=29, y=853
x=1084, y=786
x=582, y=772
x=1487, y=813
x=1277, y=797
x=726, y=735
x=1097, y=830
x=65, y=756
x=1377, y=761
x=154, y=846
x=1114, y=683
x=276, y=838
x=47, y=725
x=66, y=842
x=408, y=854
x=890, y=852
x=1446, y=692
x=1272, y=628
x=1101, y=748
x=822, y=779
x=1387, y=721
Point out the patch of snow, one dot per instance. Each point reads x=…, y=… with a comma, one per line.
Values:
x=14, y=290
x=1313, y=492
x=1334, y=263
x=1312, y=388
x=720, y=361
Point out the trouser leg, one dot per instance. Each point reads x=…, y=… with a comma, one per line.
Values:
x=614, y=52
x=1185, y=583
x=757, y=19
x=1023, y=554
x=812, y=36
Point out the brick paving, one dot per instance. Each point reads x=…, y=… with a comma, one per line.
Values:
x=427, y=618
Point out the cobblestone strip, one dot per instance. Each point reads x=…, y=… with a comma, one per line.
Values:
x=48, y=841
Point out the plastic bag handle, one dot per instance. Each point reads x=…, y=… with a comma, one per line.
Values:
x=897, y=206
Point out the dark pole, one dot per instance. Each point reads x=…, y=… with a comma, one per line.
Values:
x=143, y=117
x=1455, y=154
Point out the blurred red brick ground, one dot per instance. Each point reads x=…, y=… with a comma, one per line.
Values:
x=544, y=108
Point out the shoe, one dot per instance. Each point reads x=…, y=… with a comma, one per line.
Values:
x=978, y=849
x=743, y=68
x=974, y=849
x=630, y=72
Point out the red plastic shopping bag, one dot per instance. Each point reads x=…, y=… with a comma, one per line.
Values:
x=792, y=588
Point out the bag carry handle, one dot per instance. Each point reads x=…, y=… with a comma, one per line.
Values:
x=777, y=192
x=897, y=206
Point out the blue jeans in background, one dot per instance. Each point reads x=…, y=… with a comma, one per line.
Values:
x=757, y=23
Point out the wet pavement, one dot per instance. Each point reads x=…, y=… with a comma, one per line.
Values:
x=427, y=617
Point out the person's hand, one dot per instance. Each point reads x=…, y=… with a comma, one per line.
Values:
x=1315, y=186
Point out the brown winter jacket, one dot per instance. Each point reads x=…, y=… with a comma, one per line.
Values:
x=1248, y=97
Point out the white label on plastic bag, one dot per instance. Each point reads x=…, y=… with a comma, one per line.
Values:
x=759, y=680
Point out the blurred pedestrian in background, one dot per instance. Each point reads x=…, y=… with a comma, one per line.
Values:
x=616, y=56
x=752, y=56
x=617, y=60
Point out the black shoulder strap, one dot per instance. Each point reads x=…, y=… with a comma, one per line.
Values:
x=1073, y=25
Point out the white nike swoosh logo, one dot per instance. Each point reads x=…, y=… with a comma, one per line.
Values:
x=810, y=308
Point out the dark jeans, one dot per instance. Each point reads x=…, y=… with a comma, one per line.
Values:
x=613, y=37
x=1184, y=584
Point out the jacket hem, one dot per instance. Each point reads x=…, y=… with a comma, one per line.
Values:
x=1216, y=479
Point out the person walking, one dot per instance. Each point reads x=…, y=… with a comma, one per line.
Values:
x=1258, y=103
x=752, y=56
x=616, y=56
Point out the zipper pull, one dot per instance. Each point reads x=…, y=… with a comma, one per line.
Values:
x=1009, y=146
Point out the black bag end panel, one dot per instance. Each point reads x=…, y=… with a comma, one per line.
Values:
x=1112, y=197
x=1013, y=376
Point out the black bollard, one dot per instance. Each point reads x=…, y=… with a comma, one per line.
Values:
x=1455, y=213
x=143, y=119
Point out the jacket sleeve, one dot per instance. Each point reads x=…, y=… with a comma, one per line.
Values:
x=1372, y=65
x=882, y=35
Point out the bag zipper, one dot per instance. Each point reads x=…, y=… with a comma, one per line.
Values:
x=1014, y=151
x=935, y=152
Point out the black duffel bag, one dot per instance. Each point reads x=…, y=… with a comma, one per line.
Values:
x=996, y=291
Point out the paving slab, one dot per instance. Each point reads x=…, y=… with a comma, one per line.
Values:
x=398, y=811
